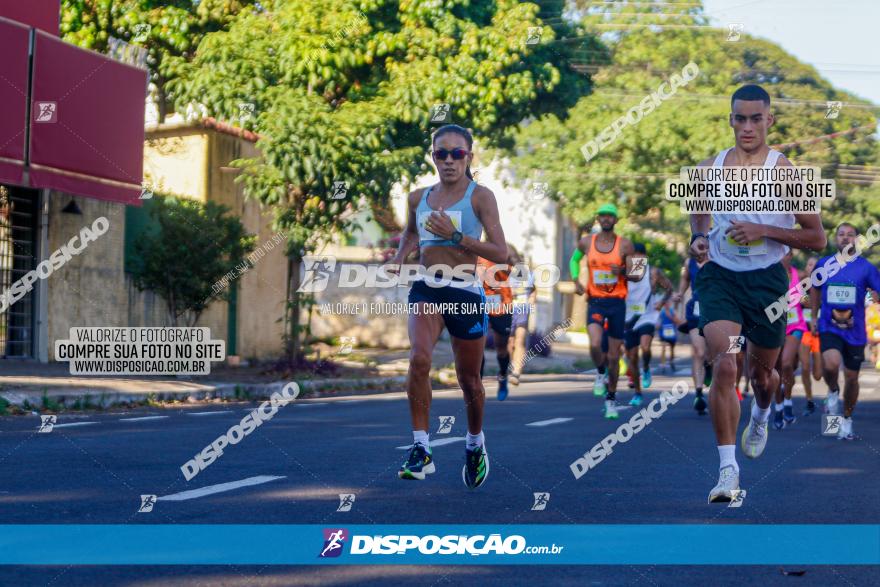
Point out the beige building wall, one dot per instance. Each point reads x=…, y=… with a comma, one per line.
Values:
x=194, y=162
x=88, y=290
x=176, y=161
x=263, y=289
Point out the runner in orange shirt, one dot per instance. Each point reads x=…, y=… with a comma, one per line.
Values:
x=608, y=265
x=499, y=306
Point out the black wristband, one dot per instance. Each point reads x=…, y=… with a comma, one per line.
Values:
x=697, y=235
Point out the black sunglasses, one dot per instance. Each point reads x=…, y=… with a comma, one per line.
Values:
x=457, y=154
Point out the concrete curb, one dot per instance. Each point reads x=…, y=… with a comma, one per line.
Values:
x=242, y=391
x=314, y=388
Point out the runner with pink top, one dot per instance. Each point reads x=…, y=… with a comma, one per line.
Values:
x=795, y=328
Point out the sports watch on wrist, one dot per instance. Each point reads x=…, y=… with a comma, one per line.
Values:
x=697, y=235
x=456, y=237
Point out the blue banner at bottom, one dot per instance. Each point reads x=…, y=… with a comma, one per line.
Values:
x=649, y=544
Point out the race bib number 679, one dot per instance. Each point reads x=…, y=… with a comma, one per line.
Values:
x=842, y=295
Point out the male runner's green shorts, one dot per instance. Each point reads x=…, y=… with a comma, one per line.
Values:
x=742, y=296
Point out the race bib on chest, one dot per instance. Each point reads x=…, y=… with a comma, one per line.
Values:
x=668, y=331
x=755, y=247
x=603, y=277
x=425, y=234
x=808, y=314
x=841, y=295
x=636, y=308
x=792, y=317
x=696, y=309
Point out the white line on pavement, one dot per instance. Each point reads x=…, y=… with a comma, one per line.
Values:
x=142, y=418
x=302, y=405
x=71, y=424
x=434, y=443
x=549, y=422
x=212, y=489
x=208, y=413
x=349, y=401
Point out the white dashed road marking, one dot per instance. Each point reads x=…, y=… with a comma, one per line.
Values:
x=208, y=413
x=72, y=424
x=439, y=442
x=549, y=422
x=212, y=489
x=142, y=418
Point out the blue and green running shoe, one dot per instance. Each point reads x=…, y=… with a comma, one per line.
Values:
x=476, y=467
x=419, y=463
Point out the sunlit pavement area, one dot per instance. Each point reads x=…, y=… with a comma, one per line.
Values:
x=92, y=468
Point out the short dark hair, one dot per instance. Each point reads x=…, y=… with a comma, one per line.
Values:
x=842, y=224
x=751, y=93
x=640, y=248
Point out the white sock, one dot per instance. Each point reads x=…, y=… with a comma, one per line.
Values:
x=760, y=415
x=727, y=454
x=472, y=441
x=787, y=402
x=779, y=406
x=833, y=394
x=421, y=437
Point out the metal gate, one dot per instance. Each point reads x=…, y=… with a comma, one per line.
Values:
x=18, y=256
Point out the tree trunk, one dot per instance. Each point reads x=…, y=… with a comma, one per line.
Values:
x=293, y=346
x=161, y=99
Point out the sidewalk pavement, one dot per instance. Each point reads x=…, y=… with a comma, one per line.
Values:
x=33, y=385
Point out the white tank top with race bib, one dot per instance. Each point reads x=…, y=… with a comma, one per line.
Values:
x=652, y=314
x=638, y=294
x=758, y=254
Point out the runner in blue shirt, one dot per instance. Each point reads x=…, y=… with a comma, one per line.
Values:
x=841, y=324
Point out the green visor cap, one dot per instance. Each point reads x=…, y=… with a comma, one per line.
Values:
x=608, y=209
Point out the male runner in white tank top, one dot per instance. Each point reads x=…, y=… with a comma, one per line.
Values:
x=743, y=277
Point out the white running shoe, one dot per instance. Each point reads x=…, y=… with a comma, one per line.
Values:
x=599, y=384
x=846, y=429
x=832, y=404
x=728, y=482
x=754, y=438
x=611, y=409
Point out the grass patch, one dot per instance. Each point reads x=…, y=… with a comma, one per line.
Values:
x=583, y=364
x=241, y=393
x=49, y=404
x=4, y=407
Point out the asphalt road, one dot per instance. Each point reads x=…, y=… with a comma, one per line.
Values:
x=92, y=469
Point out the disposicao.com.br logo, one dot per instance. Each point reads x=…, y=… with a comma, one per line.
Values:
x=452, y=544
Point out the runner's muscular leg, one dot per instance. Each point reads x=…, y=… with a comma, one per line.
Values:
x=633, y=356
x=831, y=362
x=424, y=330
x=850, y=391
x=468, y=357
x=595, y=331
x=698, y=344
x=764, y=377
x=723, y=405
x=804, y=356
x=614, y=346
x=789, y=363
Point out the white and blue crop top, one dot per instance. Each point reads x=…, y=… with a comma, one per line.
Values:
x=461, y=213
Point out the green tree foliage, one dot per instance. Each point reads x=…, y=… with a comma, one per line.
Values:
x=163, y=27
x=342, y=91
x=193, y=246
x=693, y=124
